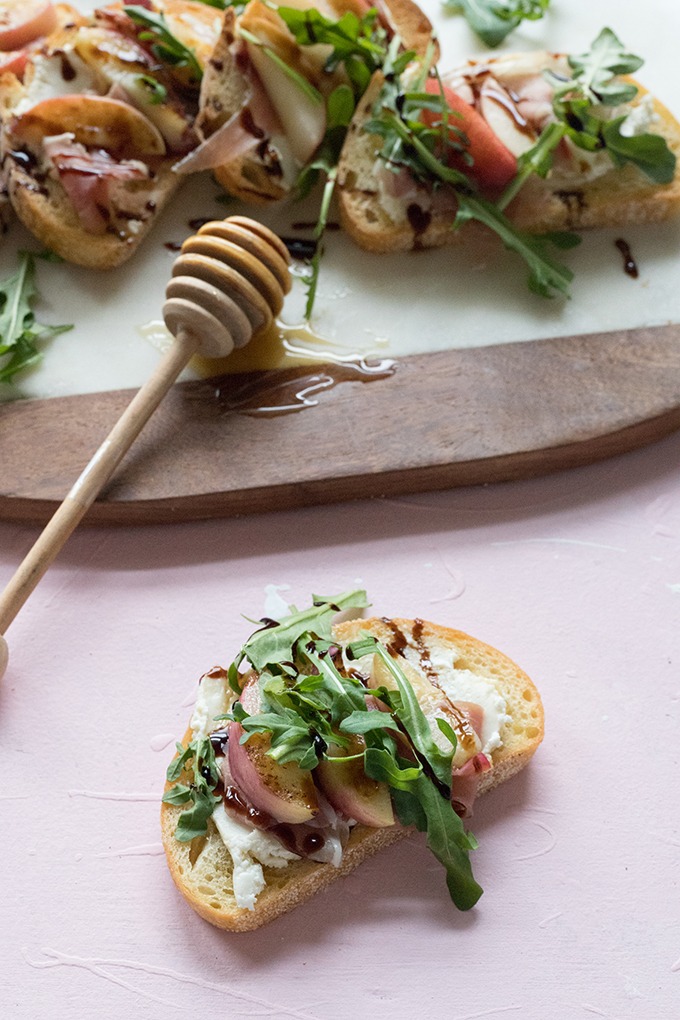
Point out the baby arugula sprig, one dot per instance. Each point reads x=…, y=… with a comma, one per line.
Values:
x=165, y=45
x=493, y=20
x=315, y=703
x=584, y=104
x=20, y=333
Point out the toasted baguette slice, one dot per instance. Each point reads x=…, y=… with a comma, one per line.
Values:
x=264, y=176
x=382, y=223
x=206, y=880
x=99, y=56
x=45, y=210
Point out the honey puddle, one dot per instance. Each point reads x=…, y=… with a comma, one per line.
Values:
x=280, y=371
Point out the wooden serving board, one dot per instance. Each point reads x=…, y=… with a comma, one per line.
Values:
x=447, y=419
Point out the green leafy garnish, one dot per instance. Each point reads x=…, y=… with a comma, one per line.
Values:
x=165, y=45
x=595, y=72
x=20, y=333
x=423, y=150
x=156, y=92
x=314, y=708
x=584, y=104
x=547, y=277
x=418, y=802
x=298, y=79
x=409, y=712
x=493, y=20
x=198, y=761
x=359, y=46
x=273, y=642
x=649, y=153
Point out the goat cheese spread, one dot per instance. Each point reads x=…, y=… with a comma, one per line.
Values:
x=250, y=848
x=212, y=700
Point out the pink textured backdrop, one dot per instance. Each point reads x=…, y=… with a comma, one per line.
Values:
x=576, y=576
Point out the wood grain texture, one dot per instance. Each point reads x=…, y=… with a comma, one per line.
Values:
x=441, y=420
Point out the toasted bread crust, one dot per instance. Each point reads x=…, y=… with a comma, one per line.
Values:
x=621, y=196
x=206, y=883
x=36, y=194
x=46, y=211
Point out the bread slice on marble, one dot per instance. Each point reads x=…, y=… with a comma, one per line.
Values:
x=384, y=211
x=250, y=111
x=92, y=129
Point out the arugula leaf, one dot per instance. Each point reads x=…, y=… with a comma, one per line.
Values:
x=409, y=713
x=165, y=45
x=156, y=92
x=198, y=760
x=583, y=106
x=536, y=160
x=418, y=802
x=19, y=330
x=493, y=20
x=546, y=276
x=360, y=44
x=299, y=79
x=273, y=643
x=595, y=71
x=648, y=152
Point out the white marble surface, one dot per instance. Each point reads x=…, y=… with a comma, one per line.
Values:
x=391, y=305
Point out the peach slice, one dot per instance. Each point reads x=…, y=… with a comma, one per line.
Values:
x=96, y=122
x=21, y=23
x=286, y=792
x=350, y=791
x=302, y=113
x=435, y=704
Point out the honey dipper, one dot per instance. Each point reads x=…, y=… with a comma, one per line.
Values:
x=228, y=283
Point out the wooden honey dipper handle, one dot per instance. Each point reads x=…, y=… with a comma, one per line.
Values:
x=228, y=283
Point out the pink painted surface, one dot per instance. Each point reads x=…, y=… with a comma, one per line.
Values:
x=576, y=576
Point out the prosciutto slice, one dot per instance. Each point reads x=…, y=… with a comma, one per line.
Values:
x=465, y=783
x=91, y=178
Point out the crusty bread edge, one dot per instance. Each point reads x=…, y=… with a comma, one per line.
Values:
x=46, y=211
x=308, y=877
x=620, y=197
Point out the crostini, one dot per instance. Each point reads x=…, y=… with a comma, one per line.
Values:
x=283, y=83
x=524, y=144
x=321, y=744
x=96, y=118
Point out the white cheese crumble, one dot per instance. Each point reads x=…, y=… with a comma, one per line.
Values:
x=464, y=685
x=250, y=848
x=47, y=79
x=640, y=119
x=213, y=699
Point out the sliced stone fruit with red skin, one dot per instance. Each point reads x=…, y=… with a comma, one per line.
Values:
x=350, y=791
x=286, y=792
x=22, y=22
